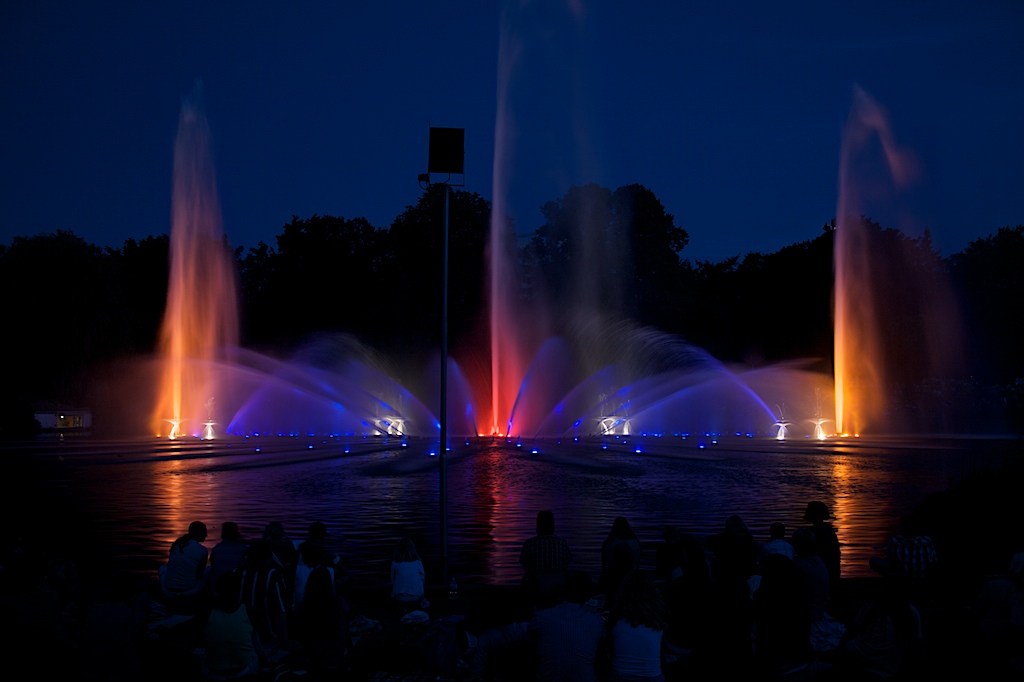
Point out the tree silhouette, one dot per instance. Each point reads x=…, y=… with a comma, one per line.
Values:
x=612, y=251
x=75, y=307
x=412, y=268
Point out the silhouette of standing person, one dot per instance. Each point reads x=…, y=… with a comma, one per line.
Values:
x=826, y=542
x=545, y=557
x=620, y=555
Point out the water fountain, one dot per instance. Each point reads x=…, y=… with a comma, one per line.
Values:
x=569, y=373
x=876, y=277
x=590, y=374
x=201, y=320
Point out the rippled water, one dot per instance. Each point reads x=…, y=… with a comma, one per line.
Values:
x=136, y=497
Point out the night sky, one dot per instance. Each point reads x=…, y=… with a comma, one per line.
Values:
x=731, y=113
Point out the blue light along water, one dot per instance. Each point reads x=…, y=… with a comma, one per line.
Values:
x=132, y=498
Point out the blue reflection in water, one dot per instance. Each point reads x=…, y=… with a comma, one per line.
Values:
x=137, y=498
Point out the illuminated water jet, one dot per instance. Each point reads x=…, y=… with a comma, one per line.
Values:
x=200, y=321
x=598, y=375
x=879, y=274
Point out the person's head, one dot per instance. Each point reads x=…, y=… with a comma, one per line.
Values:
x=197, y=531
x=317, y=531
x=777, y=531
x=229, y=531
x=694, y=559
x=816, y=512
x=621, y=528
x=734, y=525
x=545, y=522
x=405, y=551
x=273, y=531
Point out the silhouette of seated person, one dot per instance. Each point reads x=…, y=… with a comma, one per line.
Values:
x=777, y=542
x=825, y=539
x=268, y=600
x=910, y=557
x=228, y=554
x=495, y=637
x=690, y=598
x=570, y=638
x=282, y=548
x=312, y=555
x=999, y=610
x=545, y=558
x=734, y=554
x=730, y=622
x=637, y=628
x=668, y=559
x=620, y=556
x=782, y=645
x=322, y=626
x=825, y=631
x=228, y=637
x=183, y=579
x=407, y=576
x=884, y=639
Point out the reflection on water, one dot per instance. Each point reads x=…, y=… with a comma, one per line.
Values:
x=136, y=498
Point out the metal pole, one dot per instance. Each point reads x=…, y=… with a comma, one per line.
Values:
x=443, y=451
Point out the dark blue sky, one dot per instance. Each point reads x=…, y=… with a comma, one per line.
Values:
x=732, y=112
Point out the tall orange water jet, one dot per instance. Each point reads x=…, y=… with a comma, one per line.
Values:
x=861, y=400
x=201, y=318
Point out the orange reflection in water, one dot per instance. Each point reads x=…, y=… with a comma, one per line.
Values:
x=860, y=496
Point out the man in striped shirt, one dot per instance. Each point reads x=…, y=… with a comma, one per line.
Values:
x=545, y=557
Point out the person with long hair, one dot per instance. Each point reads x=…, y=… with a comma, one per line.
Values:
x=620, y=555
x=322, y=625
x=408, y=579
x=228, y=637
x=228, y=554
x=265, y=593
x=638, y=623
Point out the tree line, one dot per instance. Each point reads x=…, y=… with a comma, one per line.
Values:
x=72, y=307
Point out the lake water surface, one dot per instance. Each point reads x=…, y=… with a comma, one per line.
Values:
x=134, y=497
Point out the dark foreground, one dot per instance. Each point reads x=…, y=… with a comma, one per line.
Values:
x=121, y=636
x=90, y=620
